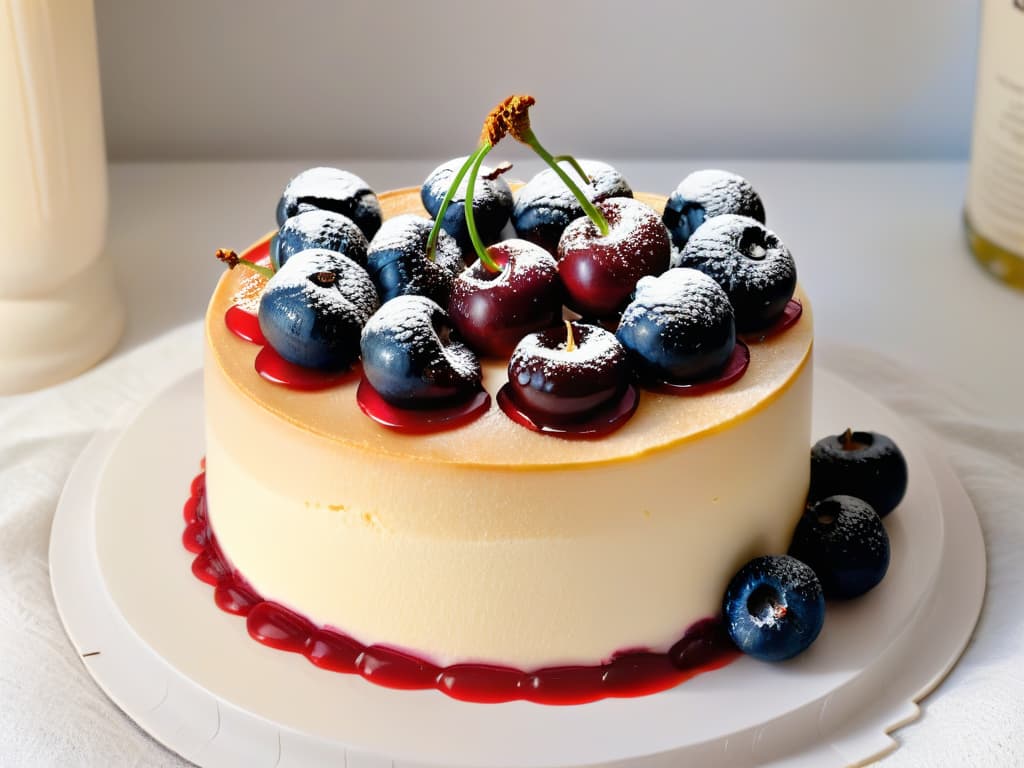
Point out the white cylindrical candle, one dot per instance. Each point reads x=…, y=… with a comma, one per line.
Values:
x=58, y=307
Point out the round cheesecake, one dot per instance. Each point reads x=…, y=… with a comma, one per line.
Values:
x=491, y=543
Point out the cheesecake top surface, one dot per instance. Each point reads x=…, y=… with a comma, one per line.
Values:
x=661, y=421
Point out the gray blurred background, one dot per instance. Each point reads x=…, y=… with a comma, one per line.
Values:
x=246, y=79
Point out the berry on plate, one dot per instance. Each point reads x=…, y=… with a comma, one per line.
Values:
x=867, y=465
x=774, y=608
x=492, y=202
x=843, y=540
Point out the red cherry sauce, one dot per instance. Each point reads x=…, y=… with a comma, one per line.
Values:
x=245, y=325
x=733, y=371
x=786, y=320
x=601, y=423
x=412, y=421
x=704, y=647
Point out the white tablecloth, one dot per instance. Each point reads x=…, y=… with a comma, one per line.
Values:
x=53, y=714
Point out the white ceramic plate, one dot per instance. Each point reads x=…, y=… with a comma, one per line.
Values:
x=153, y=639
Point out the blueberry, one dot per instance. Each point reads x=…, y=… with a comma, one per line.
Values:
x=679, y=328
x=843, y=540
x=545, y=206
x=705, y=194
x=492, y=203
x=867, y=465
x=774, y=608
x=749, y=262
x=412, y=359
x=318, y=229
x=330, y=189
x=397, y=260
x=314, y=308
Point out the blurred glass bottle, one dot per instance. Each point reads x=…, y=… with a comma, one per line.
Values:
x=995, y=193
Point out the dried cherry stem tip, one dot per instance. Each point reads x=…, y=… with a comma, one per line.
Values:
x=232, y=259
x=516, y=119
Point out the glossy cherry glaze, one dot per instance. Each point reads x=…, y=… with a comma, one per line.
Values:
x=704, y=646
x=598, y=424
x=733, y=371
x=245, y=325
x=415, y=421
x=274, y=368
x=787, y=320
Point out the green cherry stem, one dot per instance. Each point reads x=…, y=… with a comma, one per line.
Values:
x=527, y=136
x=575, y=165
x=435, y=232
x=474, y=235
x=232, y=259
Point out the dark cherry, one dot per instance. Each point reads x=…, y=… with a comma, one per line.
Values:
x=600, y=272
x=492, y=311
x=557, y=377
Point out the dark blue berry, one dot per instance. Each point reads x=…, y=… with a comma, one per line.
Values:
x=331, y=189
x=843, y=540
x=867, y=465
x=411, y=358
x=679, y=328
x=544, y=207
x=774, y=608
x=397, y=260
x=318, y=229
x=705, y=194
x=314, y=308
x=749, y=262
x=492, y=203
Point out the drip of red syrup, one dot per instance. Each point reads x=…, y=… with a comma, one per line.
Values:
x=601, y=423
x=704, y=646
x=786, y=321
x=413, y=421
x=733, y=371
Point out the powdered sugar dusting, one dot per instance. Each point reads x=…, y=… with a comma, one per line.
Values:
x=413, y=322
x=547, y=352
x=529, y=259
x=723, y=247
x=352, y=292
x=409, y=233
x=484, y=192
x=719, y=192
x=679, y=298
x=328, y=230
x=250, y=290
x=546, y=189
x=636, y=236
x=326, y=183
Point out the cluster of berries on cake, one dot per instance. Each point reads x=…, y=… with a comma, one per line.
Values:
x=595, y=296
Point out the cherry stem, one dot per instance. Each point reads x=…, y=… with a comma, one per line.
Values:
x=570, y=339
x=527, y=136
x=575, y=165
x=474, y=235
x=848, y=443
x=435, y=232
x=232, y=259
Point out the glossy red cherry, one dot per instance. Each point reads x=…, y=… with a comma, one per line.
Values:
x=600, y=272
x=492, y=311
